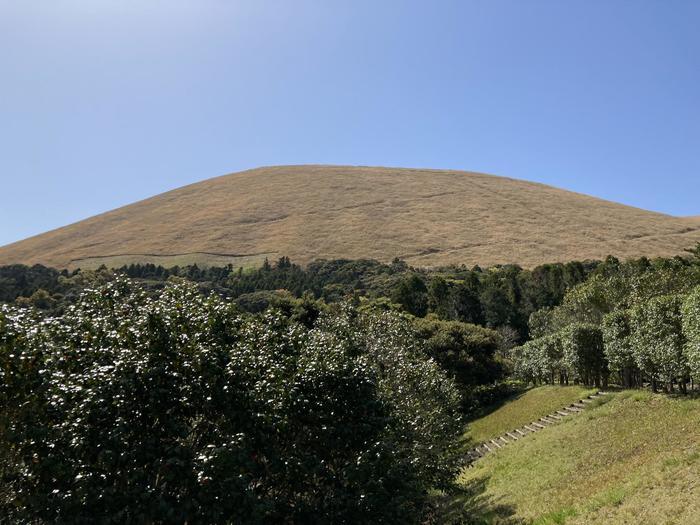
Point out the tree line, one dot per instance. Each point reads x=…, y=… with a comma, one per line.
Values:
x=501, y=297
x=636, y=322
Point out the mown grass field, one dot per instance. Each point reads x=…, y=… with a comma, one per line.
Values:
x=634, y=459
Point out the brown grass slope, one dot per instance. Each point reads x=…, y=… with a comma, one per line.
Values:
x=427, y=217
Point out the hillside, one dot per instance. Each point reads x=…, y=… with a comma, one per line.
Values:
x=427, y=217
x=634, y=459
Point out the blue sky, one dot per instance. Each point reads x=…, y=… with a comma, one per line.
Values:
x=104, y=102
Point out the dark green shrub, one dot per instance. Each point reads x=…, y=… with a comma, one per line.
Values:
x=176, y=408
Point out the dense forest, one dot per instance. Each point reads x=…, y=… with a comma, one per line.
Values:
x=501, y=297
x=330, y=393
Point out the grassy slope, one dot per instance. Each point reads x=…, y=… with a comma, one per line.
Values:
x=427, y=217
x=634, y=459
x=527, y=407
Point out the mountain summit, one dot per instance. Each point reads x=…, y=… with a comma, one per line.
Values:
x=426, y=217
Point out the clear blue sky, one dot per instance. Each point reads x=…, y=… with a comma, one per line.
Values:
x=104, y=102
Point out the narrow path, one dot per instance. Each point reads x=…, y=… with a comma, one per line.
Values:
x=522, y=432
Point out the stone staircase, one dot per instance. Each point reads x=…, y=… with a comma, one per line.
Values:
x=535, y=426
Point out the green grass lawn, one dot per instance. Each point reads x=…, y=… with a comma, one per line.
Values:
x=521, y=410
x=633, y=459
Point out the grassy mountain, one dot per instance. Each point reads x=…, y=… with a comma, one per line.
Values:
x=634, y=459
x=427, y=217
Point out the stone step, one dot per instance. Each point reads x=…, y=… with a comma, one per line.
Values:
x=512, y=436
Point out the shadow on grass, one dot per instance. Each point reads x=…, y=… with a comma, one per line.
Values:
x=518, y=392
x=468, y=504
x=465, y=441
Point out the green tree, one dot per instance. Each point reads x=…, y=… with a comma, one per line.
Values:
x=617, y=340
x=691, y=331
x=657, y=340
x=412, y=294
x=583, y=354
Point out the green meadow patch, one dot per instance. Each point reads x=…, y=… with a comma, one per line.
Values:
x=635, y=458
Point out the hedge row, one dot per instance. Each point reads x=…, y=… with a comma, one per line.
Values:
x=656, y=341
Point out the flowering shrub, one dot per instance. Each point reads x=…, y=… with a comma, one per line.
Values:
x=177, y=408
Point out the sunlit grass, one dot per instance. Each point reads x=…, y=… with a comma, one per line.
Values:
x=525, y=408
x=634, y=459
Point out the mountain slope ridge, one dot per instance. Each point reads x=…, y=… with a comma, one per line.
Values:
x=428, y=217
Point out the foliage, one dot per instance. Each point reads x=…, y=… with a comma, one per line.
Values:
x=412, y=294
x=467, y=353
x=502, y=296
x=691, y=329
x=541, y=360
x=583, y=354
x=617, y=286
x=617, y=341
x=657, y=339
x=174, y=407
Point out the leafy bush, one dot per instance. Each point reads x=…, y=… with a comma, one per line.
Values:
x=657, y=340
x=466, y=351
x=617, y=341
x=525, y=360
x=176, y=408
x=583, y=354
x=691, y=330
x=541, y=360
